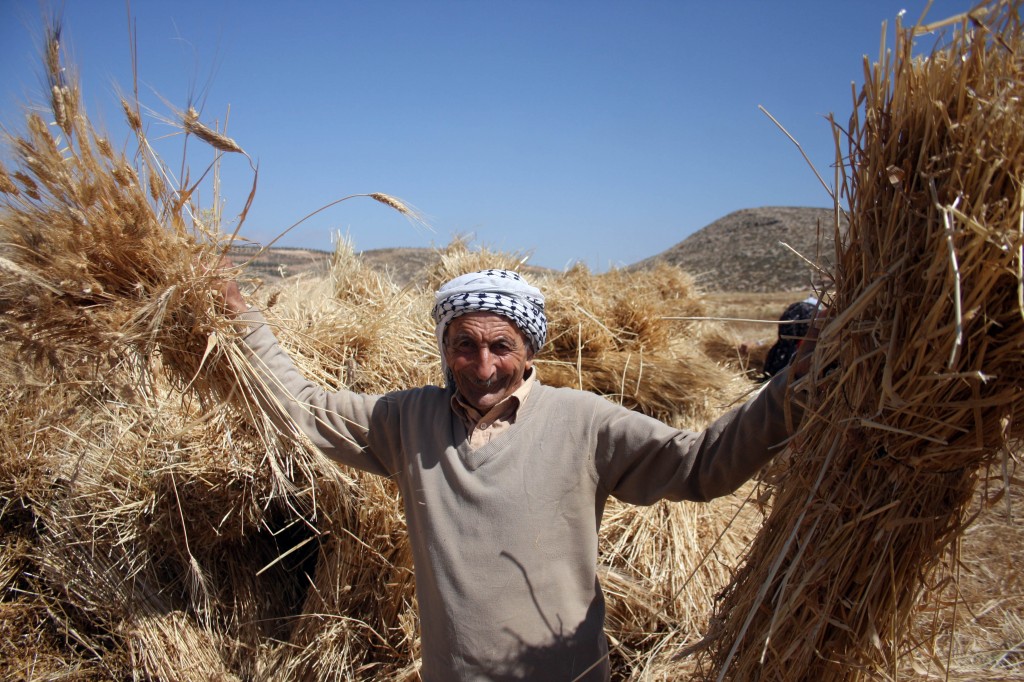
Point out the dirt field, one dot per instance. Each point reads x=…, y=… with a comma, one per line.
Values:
x=745, y=305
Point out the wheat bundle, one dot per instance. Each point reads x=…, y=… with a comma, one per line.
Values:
x=662, y=567
x=159, y=533
x=155, y=538
x=108, y=267
x=35, y=634
x=618, y=311
x=355, y=617
x=104, y=307
x=355, y=328
x=458, y=258
x=612, y=334
x=97, y=262
x=918, y=376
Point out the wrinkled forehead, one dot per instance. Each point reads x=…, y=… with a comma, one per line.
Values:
x=484, y=325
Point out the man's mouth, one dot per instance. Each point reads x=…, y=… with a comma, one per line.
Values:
x=485, y=385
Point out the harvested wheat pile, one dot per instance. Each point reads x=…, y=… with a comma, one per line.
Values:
x=355, y=328
x=611, y=334
x=918, y=375
x=155, y=524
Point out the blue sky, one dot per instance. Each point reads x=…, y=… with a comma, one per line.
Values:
x=602, y=132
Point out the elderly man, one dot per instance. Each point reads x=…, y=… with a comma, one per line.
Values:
x=504, y=480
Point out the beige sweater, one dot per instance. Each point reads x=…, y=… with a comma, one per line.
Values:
x=505, y=537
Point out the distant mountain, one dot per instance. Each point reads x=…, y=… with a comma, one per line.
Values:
x=280, y=262
x=744, y=250
x=741, y=252
x=405, y=265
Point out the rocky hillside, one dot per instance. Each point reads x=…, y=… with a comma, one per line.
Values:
x=404, y=264
x=744, y=251
x=280, y=262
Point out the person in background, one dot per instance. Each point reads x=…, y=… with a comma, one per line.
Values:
x=504, y=479
x=799, y=316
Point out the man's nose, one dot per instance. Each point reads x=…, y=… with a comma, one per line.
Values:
x=484, y=364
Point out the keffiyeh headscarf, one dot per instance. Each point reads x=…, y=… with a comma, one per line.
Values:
x=496, y=291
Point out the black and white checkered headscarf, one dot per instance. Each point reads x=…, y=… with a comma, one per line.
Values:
x=497, y=291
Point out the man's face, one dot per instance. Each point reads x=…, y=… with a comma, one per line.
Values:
x=488, y=355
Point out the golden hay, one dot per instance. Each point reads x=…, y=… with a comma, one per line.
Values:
x=144, y=481
x=918, y=376
x=94, y=273
x=458, y=258
x=612, y=334
x=355, y=328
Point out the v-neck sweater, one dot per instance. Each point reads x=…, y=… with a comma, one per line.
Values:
x=505, y=536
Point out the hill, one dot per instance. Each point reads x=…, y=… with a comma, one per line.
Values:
x=741, y=252
x=277, y=263
x=744, y=251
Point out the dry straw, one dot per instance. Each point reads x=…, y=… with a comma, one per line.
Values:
x=917, y=383
x=92, y=270
x=610, y=334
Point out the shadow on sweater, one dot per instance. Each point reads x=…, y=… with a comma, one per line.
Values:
x=560, y=659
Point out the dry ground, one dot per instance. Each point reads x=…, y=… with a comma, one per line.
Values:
x=739, y=306
x=750, y=318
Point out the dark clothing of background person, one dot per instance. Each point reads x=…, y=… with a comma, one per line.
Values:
x=798, y=316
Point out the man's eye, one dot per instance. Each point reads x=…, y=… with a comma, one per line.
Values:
x=501, y=348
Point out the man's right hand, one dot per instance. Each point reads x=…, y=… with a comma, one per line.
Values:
x=232, y=297
x=228, y=291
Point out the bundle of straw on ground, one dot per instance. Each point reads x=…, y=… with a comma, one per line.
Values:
x=459, y=257
x=917, y=382
x=155, y=539
x=97, y=492
x=612, y=334
x=661, y=569
x=355, y=328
